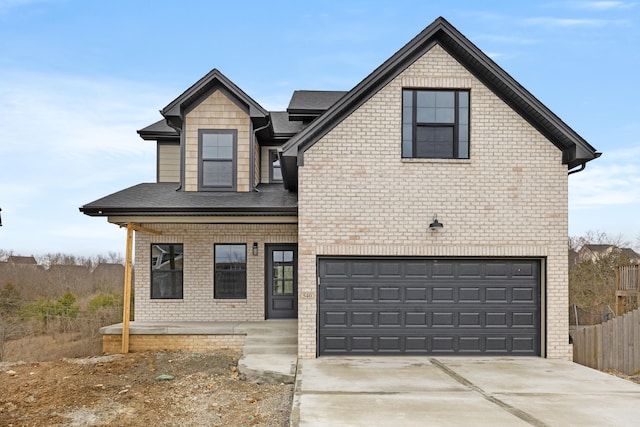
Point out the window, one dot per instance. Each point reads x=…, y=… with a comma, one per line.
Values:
x=275, y=173
x=217, y=153
x=435, y=124
x=230, y=273
x=166, y=271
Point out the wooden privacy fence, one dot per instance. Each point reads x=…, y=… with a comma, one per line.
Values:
x=611, y=345
x=627, y=285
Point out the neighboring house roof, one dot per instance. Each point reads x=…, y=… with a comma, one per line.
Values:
x=28, y=260
x=161, y=199
x=633, y=255
x=576, y=151
x=308, y=104
x=214, y=80
x=593, y=251
x=158, y=130
x=595, y=248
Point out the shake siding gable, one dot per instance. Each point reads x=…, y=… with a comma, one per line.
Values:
x=217, y=112
x=357, y=196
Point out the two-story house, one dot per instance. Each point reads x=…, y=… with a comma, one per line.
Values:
x=422, y=212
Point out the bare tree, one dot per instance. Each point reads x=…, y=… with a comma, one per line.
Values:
x=592, y=280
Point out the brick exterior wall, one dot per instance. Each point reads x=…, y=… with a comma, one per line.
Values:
x=196, y=343
x=217, y=112
x=357, y=196
x=198, y=303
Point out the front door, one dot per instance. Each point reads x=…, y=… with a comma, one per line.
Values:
x=282, y=285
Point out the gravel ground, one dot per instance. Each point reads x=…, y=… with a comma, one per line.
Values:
x=139, y=389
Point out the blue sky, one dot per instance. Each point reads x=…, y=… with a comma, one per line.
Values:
x=78, y=78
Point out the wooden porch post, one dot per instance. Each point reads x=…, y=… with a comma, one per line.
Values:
x=128, y=266
x=126, y=307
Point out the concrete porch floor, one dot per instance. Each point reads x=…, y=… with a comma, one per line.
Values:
x=269, y=351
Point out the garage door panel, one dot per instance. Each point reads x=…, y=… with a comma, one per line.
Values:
x=389, y=294
x=523, y=270
x=496, y=294
x=470, y=294
x=415, y=319
x=363, y=269
x=415, y=294
x=442, y=294
x=361, y=294
x=470, y=270
x=443, y=269
x=387, y=319
x=334, y=294
x=416, y=269
x=334, y=318
x=428, y=306
x=362, y=319
x=523, y=294
x=390, y=269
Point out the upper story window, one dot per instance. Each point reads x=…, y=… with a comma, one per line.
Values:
x=217, y=159
x=435, y=124
x=275, y=172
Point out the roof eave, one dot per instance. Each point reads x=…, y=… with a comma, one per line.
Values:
x=268, y=211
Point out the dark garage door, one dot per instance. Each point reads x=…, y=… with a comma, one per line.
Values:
x=429, y=306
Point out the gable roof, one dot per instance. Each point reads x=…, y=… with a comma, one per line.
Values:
x=576, y=151
x=16, y=259
x=214, y=79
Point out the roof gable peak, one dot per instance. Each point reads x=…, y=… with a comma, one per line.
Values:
x=214, y=79
x=576, y=151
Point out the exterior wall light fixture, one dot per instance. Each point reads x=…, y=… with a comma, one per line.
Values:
x=255, y=249
x=435, y=225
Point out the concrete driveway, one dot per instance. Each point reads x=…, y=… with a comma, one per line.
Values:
x=459, y=391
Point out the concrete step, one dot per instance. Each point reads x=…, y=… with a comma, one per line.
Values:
x=268, y=368
x=253, y=340
x=271, y=349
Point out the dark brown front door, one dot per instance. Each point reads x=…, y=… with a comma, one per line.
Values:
x=282, y=285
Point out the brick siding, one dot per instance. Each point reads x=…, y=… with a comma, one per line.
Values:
x=357, y=196
x=197, y=343
x=198, y=303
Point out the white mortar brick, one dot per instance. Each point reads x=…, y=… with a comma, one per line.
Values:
x=198, y=303
x=508, y=199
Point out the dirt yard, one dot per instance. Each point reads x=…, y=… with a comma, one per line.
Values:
x=139, y=389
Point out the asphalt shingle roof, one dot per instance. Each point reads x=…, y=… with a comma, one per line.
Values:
x=163, y=199
x=314, y=100
x=282, y=125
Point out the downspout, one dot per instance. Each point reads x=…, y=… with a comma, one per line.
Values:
x=582, y=167
x=252, y=156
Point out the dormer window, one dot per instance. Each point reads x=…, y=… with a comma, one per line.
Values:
x=435, y=124
x=217, y=159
